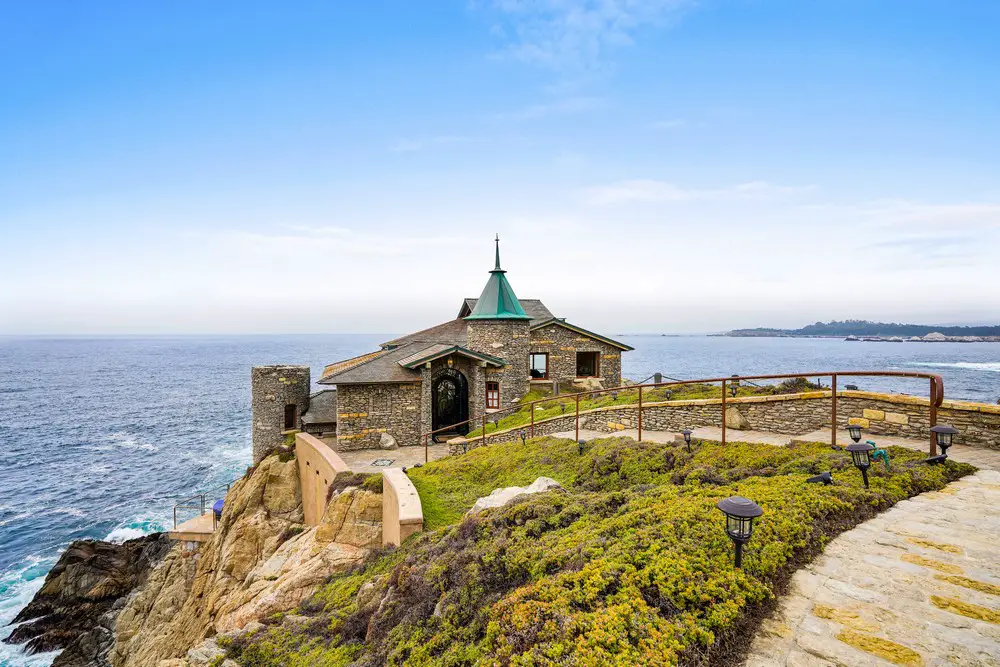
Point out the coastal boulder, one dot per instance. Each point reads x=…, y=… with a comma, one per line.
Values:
x=736, y=420
x=387, y=442
x=500, y=497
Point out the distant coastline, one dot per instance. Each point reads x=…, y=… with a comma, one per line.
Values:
x=890, y=332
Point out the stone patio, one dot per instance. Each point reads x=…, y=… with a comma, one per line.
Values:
x=362, y=460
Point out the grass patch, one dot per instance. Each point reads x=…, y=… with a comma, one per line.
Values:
x=629, y=566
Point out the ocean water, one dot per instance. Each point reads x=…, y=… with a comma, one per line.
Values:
x=100, y=436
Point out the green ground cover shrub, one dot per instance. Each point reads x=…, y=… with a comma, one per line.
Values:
x=628, y=566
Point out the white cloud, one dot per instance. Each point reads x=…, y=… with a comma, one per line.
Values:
x=574, y=34
x=671, y=124
x=649, y=190
x=900, y=212
x=412, y=145
x=565, y=107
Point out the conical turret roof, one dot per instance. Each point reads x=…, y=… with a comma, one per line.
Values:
x=498, y=301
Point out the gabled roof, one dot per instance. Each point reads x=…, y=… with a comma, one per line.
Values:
x=580, y=330
x=455, y=332
x=439, y=350
x=535, y=309
x=498, y=301
x=371, y=368
x=322, y=408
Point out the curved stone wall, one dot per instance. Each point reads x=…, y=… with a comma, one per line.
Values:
x=318, y=467
x=794, y=414
x=402, y=514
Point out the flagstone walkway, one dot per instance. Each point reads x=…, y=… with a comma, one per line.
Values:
x=917, y=585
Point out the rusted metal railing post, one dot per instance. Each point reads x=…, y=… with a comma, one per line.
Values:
x=833, y=410
x=578, y=416
x=532, y=408
x=640, y=414
x=933, y=415
x=426, y=454
x=484, y=428
x=723, y=412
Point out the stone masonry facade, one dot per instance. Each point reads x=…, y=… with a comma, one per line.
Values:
x=562, y=344
x=366, y=411
x=793, y=414
x=510, y=340
x=272, y=388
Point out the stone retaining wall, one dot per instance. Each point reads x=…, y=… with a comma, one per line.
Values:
x=793, y=414
x=402, y=513
x=318, y=466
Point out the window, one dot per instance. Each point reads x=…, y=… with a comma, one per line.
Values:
x=539, y=365
x=492, y=395
x=588, y=364
x=291, y=416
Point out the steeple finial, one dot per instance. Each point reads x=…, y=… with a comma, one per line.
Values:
x=497, y=268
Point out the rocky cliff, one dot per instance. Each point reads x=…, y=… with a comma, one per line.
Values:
x=75, y=608
x=261, y=560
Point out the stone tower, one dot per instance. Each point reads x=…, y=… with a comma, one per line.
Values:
x=279, y=398
x=499, y=326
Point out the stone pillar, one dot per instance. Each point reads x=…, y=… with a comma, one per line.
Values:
x=272, y=388
x=511, y=341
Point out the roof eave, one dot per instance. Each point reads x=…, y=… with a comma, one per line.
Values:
x=585, y=332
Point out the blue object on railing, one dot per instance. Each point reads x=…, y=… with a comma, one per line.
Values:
x=217, y=508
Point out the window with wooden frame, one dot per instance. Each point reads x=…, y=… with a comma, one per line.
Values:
x=492, y=395
x=539, y=365
x=588, y=364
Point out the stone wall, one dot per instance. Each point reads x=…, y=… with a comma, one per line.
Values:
x=366, y=411
x=561, y=344
x=792, y=414
x=510, y=340
x=271, y=389
x=318, y=467
x=402, y=513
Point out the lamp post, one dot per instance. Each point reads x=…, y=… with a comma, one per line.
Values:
x=687, y=438
x=854, y=431
x=861, y=453
x=944, y=433
x=740, y=513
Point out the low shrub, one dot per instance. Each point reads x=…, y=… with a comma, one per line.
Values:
x=630, y=565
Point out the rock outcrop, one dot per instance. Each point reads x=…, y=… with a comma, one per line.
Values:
x=76, y=607
x=261, y=560
x=736, y=420
x=500, y=497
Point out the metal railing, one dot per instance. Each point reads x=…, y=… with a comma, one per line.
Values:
x=202, y=500
x=936, y=397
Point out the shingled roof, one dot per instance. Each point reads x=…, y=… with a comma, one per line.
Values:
x=373, y=368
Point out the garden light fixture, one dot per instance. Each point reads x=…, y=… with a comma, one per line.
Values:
x=614, y=396
x=579, y=446
x=740, y=513
x=861, y=453
x=943, y=434
x=854, y=431
x=734, y=386
x=687, y=437
x=524, y=436
x=822, y=478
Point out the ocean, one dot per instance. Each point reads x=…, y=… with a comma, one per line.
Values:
x=100, y=436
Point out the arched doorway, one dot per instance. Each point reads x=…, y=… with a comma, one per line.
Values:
x=450, y=400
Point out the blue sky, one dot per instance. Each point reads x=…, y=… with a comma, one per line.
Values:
x=650, y=165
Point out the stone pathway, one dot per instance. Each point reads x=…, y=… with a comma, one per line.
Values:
x=917, y=585
x=363, y=460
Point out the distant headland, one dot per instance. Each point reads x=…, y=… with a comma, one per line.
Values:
x=878, y=331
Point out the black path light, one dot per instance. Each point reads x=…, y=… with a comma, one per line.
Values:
x=861, y=453
x=687, y=437
x=943, y=434
x=734, y=385
x=524, y=436
x=740, y=513
x=854, y=430
x=822, y=478
x=579, y=446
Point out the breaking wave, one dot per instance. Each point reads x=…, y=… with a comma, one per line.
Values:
x=986, y=366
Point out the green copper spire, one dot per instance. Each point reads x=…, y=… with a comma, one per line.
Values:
x=498, y=301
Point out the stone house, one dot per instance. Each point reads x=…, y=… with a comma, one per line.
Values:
x=483, y=361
